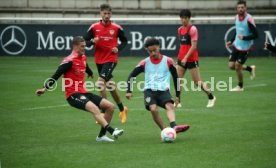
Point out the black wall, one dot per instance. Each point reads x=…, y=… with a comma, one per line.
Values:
x=54, y=40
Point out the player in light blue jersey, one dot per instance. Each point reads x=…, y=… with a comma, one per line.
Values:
x=242, y=43
x=157, y=68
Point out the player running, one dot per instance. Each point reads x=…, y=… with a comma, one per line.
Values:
x=188, y=54
x=73, y=68
x=104, y=36
x=157, y=69
x=242, y=43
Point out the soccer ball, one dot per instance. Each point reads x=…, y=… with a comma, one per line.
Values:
x=168, y=135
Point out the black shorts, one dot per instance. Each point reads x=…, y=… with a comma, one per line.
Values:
x=79, y=100
x=238, y=56
x=188, y=65
x=159, y=98
x=105, y=70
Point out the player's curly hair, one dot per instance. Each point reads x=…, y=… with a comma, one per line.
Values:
x=151, y=42
x=105, y=7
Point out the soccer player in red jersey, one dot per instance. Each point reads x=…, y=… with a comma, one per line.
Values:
x=188, y=54
x=73, y=68
x=157, y=68
x=104, y=36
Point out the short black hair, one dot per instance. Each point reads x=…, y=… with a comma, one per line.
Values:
x=185, y=13
x=240, y=2
x=151, y=42
x=77, y=40
x=105, y=7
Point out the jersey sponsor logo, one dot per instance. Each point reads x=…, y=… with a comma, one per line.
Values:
x=80, y=71
x=13, y=40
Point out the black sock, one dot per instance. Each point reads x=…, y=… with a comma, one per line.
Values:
x=173, y=124
x=240, y=84
x=109, y=129
x=210, y=96
x=121, y=107
x=248, y=68
x=102, y=132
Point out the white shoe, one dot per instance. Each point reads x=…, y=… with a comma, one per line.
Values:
x=178, y=106
x=211, y=102
x=236, y=89
x=253, y=72
x=104, y=139
x=117, y=132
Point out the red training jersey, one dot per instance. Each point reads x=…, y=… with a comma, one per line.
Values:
x=108, y=39
x=74, y=77
x=186, y=35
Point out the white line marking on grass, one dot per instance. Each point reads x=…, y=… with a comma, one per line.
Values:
x=44, y=107
x=257, y=85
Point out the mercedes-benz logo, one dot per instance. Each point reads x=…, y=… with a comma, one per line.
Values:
x=13, y=40
x=226, y=37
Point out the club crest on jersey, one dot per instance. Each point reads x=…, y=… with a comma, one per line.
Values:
x=111, y=32
x=147, y=99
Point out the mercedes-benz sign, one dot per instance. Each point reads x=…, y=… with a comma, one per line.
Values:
x=13, y=40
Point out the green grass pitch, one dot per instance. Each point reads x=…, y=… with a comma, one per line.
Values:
x=44, y=132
